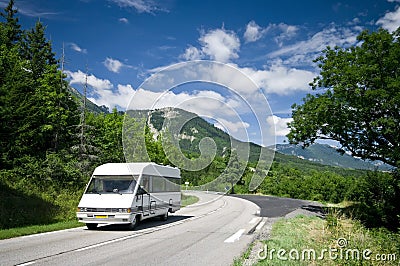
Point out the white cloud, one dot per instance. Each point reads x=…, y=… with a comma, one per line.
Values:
x=391, y=20
x=80, y=78
x=280, y=79
x=281, y=31
x=111, y=99
x=231, y=127
x=141, y=6
x=277, y=78
x=31, y=9
x=102, y=92
x=279, y=124
x=124, y=20
x=203, y=103
x=253, y=32
x=306, y=50
x=287, y=32
x=76, y=48
x=114, y=65
x=220, y=45
x=192, y=53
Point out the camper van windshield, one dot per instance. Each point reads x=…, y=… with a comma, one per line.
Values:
x=111, y=184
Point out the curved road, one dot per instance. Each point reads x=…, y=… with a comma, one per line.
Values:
x=272, y=206
x=212, y=232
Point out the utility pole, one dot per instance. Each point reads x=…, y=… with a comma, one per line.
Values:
x=83, y=114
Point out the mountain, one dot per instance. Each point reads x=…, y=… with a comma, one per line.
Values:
x=194, y=129
x=90, y=106
x=326, y=154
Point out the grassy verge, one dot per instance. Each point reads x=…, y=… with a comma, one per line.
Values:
x=188, y=200
x=240, y=260
x=35, y=229
x=334, y=241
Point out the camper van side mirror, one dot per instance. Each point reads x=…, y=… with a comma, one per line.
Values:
x=142, y=191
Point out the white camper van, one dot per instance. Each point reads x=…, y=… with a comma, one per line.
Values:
x=126, y=193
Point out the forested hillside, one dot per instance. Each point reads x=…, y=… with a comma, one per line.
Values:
x=326, y=154
x=51, y=142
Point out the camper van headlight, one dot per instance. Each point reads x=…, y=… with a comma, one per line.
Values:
x=81, y=209
x=125, y=210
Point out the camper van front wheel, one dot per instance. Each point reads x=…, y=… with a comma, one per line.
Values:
x=91, y=226
x=134, y=223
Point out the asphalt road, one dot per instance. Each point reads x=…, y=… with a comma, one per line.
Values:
x=272, y=207
x=212, y=232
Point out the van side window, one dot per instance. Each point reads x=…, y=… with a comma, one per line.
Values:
x=173, y=184
x=158, y=184
x=145, y=183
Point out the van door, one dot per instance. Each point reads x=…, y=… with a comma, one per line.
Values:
x=153, y=206
x=146, y=204
x=144, y=189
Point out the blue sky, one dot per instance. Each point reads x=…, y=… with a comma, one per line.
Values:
x=123, y=42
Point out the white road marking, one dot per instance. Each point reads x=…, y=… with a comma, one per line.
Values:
x=260, y=226
x=28, y=263
x=235, y=236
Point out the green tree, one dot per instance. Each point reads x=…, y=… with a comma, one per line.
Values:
x=106, y=132
x=13, y=81
x=11, y=29
x=56, y=112
x=133, y=138
x=14, y=95
x=37, y=50
x=359, y=101
x=37, y=111
x=233, y=171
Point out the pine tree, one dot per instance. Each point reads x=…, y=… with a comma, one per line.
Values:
x=37, y=111
x=11, y=28
x=14, y=83
x=14, y=94
x=37, y=50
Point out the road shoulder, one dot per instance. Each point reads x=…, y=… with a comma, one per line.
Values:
x=264, y=233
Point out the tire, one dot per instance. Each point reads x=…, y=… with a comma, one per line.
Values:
x=134, y=223
x=91, y=226
x=164, y=217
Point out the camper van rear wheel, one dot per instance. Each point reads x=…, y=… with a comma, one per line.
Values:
x=91, y=226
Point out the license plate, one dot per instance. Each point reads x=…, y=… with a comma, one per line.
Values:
x=101, y=216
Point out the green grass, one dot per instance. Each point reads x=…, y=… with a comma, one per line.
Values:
x=240, y=260
x=311, y=233
x=35, y=229
x=188, y=200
